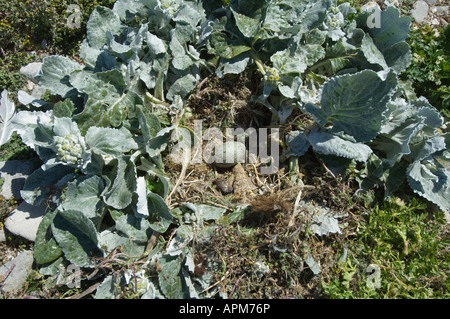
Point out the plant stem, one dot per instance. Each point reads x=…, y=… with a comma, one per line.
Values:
x=155, y=100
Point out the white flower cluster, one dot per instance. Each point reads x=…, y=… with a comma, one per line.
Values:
x=168, y=7
x=69, y=149
x=333, y=23
x=272, y=76
x=335, y=18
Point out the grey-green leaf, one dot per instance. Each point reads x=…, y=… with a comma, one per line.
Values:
x=109, y=141
x=159, y=213
x=170, y=277
x=83, y=195
x=355, y=104
x=120, y=194
x=430, y=178
x=46, y=248
x=328, y=144
x=100, y=22
x=77, y=237
x=56, y=71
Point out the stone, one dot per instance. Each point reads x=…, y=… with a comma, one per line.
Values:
x=14, y=174
x=16, y=271
x=24, y=220
x=38, y=92
x=441, y=10
x=2, y=235
x=431, y=1
x=31, y=70
x=420, y=11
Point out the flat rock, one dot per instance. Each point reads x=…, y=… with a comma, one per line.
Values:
x=14, y=174
x=16, y=272
x=420, y=11
x=24, y=220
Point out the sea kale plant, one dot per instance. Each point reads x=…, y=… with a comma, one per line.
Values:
x=103, y=143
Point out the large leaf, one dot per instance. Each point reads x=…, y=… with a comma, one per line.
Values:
x=389, y=37
x=109, y=141
x=120, y=194
x=430, y=178
x=297, y=143
x=84, y=195
x=170, y=278
x=328, y=144
x=248, y=26
x=101, y=21
x=56, y=71
x=392, y=28
x=159, y=213
x=371, y=52
x=110, y=239
x=355, y=103
x=42, y=185
x=77, y=237
x=295, y=60
x=46, y=248
x=135, y=228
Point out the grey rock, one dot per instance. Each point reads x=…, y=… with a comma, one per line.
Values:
x=24, y=220
x=14, y=174
x=431, y=1
x=2, y=235
x=31, y=70
x=420, y=11
x=38, y=92
x=441, y=10
x=16, y=272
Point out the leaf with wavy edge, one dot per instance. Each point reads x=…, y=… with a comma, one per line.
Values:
x=355, y=103
x=430, y=178
x=328, y=144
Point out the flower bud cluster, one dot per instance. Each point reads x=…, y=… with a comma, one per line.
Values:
x=168, y=7
x=272, y=76
x=69, y=149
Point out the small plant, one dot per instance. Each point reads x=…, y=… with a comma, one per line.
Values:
x=430, y=67
x=408, y=247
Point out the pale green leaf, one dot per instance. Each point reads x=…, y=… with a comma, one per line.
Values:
x=77, y=237
x=430, y=178
x=83, y=195
x=159, y=213
x=56, y=72
x=100, y=22
x=328, y=144
x=109, y=141
x=355, y=104
x=120, y=194
x=46, y=248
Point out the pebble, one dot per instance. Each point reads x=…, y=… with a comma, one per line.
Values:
x=24, y=220
x=14, y=174
x=420, y=11
x=16, y=272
